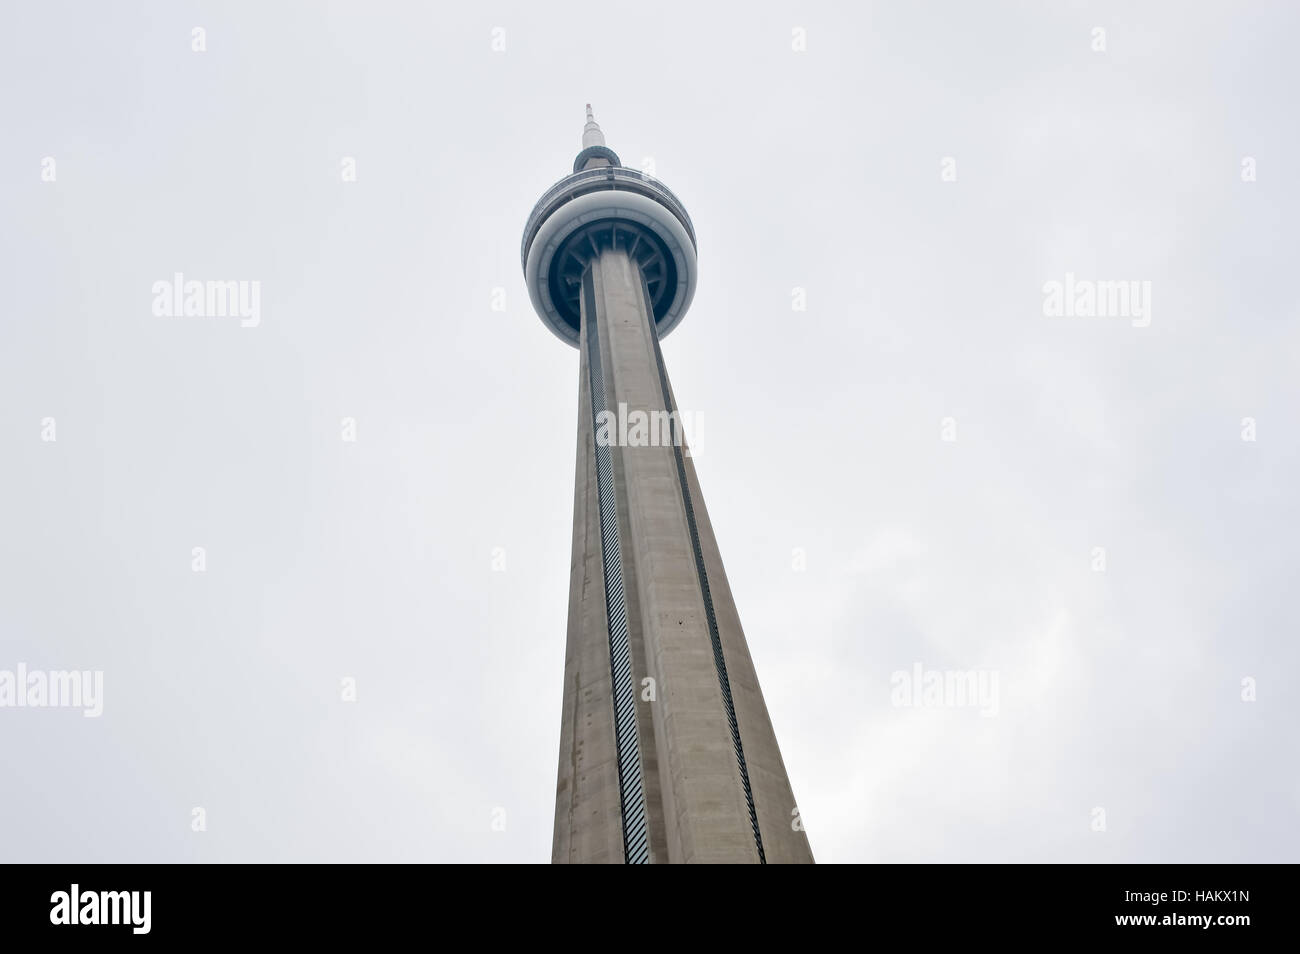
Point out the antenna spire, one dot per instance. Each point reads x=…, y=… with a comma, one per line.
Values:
x=591, y=134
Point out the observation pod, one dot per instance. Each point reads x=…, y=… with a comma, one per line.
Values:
x=600, y=205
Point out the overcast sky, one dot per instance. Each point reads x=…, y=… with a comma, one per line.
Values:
x=821, y=169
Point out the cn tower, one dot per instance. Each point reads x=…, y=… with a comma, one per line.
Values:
x=667, y=753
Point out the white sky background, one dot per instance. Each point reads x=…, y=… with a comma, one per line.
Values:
x=821, y=169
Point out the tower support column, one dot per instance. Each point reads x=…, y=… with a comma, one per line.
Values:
x=667, y=753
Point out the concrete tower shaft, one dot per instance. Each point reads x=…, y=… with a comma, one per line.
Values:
x=667, y=753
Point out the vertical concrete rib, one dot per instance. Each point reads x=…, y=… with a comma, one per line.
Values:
x=719, y=658
x=588, y=802
x=636, y=838
x=706, y=817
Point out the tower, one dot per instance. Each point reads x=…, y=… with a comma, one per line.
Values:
x=667, y=753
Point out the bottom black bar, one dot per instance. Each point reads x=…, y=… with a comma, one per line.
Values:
x=136, y=903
